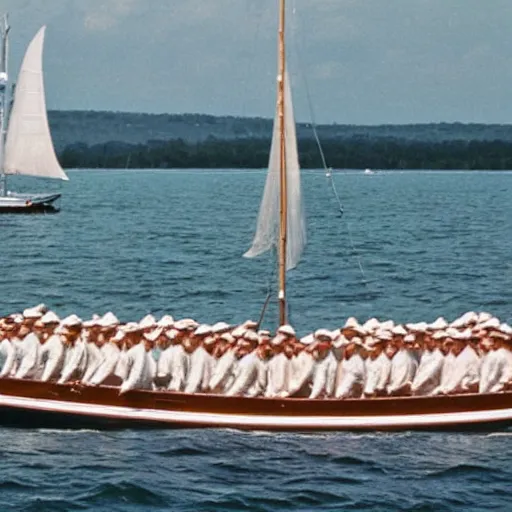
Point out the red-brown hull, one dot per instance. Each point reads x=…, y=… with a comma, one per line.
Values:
x=31, y=403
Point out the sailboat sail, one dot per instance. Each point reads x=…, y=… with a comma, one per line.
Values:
x=29, y=148
x=267, y=231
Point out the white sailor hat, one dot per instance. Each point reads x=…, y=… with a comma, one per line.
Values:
x=93, y=322
x=17, y=318
x=353, y=325
x=42, y=308
x=238, y=332
x=50, y=318
x=335, y=333
x=307, y=340
x=60, y=329
x=185, y=324
x=409, y=338
x=181, y=325
x=203, y=330
x=466, y=334
x=439, y=335
x=251, y=336
x=492, y=323
x=166, y=321
x=8, y=324
x=119, y=336
x=154, y=334
x=132, y=327
x=351, y=322
x=263, y=333
x=192, y=324
x=340, y=341
x=466, y=319
x=483, y=317
x=172, y=334
x=250, y=324
x=418, y=327
x=286, y=330
x=383, y=335
x=370, y=342
x=398, y=330
x=148, y=321
x=453, y=333
x=277, y=339
x=32, y=313
x=505, y=328
x=458, y=323
x=220, y=327
x=371, y=325
x=323, y=335
x=228, y=337
x=471, y=317
x=209, y=340
x=388, y=325
x=498, y=335
x=357, y=341
x=72, y=321
x=108, y=320
x=438, y=324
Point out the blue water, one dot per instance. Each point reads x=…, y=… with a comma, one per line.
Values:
x=410, y=246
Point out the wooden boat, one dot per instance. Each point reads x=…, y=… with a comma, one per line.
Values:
x=47, y=405
x=280, y=223
x=26, y=146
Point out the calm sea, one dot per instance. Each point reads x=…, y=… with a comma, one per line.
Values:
x=410, y=246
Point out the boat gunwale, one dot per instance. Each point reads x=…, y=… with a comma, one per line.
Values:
x=254, y=406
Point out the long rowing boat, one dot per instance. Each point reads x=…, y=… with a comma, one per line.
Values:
x=25, y=403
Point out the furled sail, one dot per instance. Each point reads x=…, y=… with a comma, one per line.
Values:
x=29, y=148
x=267, y=231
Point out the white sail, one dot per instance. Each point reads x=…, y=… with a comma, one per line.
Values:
x=29, y=148
x=267, y=231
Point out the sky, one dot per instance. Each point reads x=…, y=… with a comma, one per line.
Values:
x=362, y=61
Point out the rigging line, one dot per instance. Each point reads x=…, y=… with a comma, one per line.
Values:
x=328, y=170
x=271, y=279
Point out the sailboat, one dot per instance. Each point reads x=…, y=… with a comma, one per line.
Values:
x=280, y=222
x=26, y=146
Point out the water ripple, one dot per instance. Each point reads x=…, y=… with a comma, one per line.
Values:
x=429, y=244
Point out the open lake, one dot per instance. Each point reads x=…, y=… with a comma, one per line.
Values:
x=410, y=246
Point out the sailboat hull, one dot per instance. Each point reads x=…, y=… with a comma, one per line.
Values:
x=29, y=203
x=36, y=404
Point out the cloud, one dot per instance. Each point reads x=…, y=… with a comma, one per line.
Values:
x=106, y=14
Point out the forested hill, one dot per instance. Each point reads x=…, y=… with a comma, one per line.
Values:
x=91, y=127
x=116, y=139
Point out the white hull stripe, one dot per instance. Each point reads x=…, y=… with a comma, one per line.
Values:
x=258, y=421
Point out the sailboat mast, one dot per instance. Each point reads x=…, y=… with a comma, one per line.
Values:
x=4, y=33
x=283, y=185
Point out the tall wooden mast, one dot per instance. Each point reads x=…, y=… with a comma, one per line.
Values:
x=283, y=186
x=4, y=82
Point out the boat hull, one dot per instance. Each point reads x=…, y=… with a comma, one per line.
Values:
x=28, y=203
x=36, y=404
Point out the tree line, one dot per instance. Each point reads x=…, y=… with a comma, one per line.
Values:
x=354, y=153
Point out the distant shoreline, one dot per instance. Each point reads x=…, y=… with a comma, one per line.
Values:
x=383, y=154
x=93, y=139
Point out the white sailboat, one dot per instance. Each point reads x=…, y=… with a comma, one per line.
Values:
x=26, y=146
